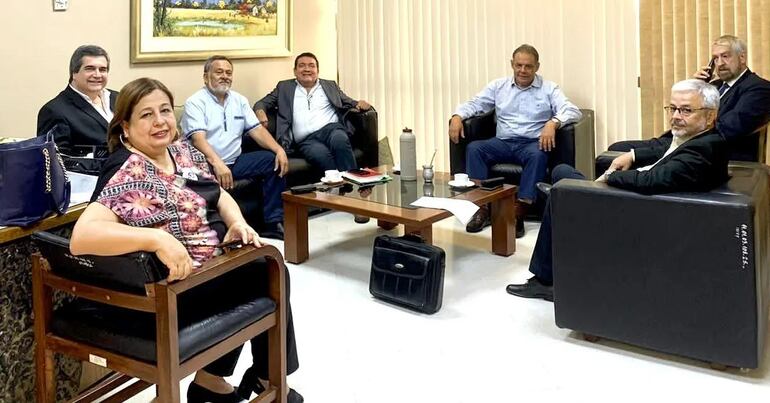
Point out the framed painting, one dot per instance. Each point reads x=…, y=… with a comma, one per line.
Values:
x=180, y=30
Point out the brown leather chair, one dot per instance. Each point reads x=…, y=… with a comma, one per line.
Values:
x=127, y=319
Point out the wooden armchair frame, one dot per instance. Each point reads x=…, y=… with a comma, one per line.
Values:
x=160, y=299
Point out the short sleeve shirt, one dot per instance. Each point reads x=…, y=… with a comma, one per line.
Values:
x=144, y=196
x=224, y=124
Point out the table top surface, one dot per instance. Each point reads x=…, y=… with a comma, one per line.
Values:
x=392, y=199
x=8, y=234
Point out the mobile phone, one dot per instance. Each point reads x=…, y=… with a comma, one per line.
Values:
x=231, y=244
x=712, y=65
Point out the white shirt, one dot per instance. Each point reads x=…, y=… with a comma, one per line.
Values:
x=312, y=111
x=101, y=105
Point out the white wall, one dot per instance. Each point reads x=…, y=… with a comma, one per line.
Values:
x=38, y=42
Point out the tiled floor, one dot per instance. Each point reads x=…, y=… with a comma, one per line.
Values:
x=483, y=346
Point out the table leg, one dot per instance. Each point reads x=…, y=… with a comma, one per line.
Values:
x=504, y=226
x=295, y=247
x=425, y=232
x=386, y=225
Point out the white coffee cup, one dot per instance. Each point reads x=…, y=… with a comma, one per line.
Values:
x=332, y=175
x=461, y=179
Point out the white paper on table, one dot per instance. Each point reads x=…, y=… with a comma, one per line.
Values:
x=82, y=186
x=463, y=210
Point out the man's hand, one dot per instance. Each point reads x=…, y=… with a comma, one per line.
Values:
x=281, y=163
x=702, y=74
x=224, y=175
x=547, y=140
x=363, y=105
x=622, y=163
x=456, y=129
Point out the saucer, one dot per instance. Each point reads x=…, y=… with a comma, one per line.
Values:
x=456, y=184
x=331, y=182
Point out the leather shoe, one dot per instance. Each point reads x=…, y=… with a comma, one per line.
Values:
x=198, y=394
x=250, y=383
x=479, y=220
x=545, y=188
x=273, y=230
x=533, y=288
x=520, y=227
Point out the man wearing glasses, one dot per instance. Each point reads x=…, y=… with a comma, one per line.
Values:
x=695, y=161
x=311, y=115
x=744, y=101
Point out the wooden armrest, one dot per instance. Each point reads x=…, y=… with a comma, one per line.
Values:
x=221, y=265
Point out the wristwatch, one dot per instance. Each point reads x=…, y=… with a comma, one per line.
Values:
x=557, y=121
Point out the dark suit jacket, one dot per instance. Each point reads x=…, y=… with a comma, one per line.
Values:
x=281, y=100
x=742, y=110
x=77, y=122
x=698, y=165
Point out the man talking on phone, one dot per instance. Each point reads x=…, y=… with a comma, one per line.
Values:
x=744, y=101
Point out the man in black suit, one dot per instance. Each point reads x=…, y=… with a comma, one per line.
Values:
x=311, y=115
x=744, y=104
x=80, y=114
x=695, y=160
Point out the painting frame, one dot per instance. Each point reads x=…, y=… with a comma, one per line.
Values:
x=145, y=48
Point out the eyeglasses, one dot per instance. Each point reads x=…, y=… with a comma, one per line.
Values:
x=684, y=111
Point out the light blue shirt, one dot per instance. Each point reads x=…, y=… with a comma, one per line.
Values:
x=521, y=112
x=224, y=124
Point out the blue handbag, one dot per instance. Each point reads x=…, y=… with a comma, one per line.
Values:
x=33, y=181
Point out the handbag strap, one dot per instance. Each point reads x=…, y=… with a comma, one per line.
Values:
x=63, y=202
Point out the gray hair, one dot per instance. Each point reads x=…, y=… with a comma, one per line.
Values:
x=212, y=59
x=76, y=61
x=708, y=93
x=736, y=44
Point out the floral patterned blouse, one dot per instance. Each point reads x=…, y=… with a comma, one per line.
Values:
x=182, y=204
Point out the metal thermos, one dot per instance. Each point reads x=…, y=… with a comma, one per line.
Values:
x=408, y=153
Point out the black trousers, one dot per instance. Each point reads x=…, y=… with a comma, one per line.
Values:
x=541, y=263
x=627, y=145
x=235, y=287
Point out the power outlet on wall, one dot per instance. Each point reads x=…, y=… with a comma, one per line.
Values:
x=60, y=5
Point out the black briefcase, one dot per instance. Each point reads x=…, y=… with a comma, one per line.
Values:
x=408, y=272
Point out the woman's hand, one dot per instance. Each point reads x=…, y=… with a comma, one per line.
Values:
x=174, y=255
x=244, y=232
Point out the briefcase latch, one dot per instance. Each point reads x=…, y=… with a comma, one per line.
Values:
x=398, y=266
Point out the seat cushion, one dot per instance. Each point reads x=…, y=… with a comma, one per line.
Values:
x=132, y=333
x=511, y=172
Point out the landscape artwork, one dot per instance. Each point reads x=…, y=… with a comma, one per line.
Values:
x=194, y=18
x=181, y=30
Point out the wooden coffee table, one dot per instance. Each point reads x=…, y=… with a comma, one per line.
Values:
x=388, y=203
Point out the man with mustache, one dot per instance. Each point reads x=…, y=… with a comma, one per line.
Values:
x=744, y=104
x=80, y=113
x=528, y=110
x=694, y=161
x=215, y=120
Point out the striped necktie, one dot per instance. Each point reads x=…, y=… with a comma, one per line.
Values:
x=723, y=89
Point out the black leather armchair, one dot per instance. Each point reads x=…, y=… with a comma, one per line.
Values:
x=571, y=147
x=750, y=148
x=683, y=273
x=126, y=318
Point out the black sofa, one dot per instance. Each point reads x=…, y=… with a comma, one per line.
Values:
x=363, y=140
x=681, y=273
x=574, y=146
x=248, y=192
